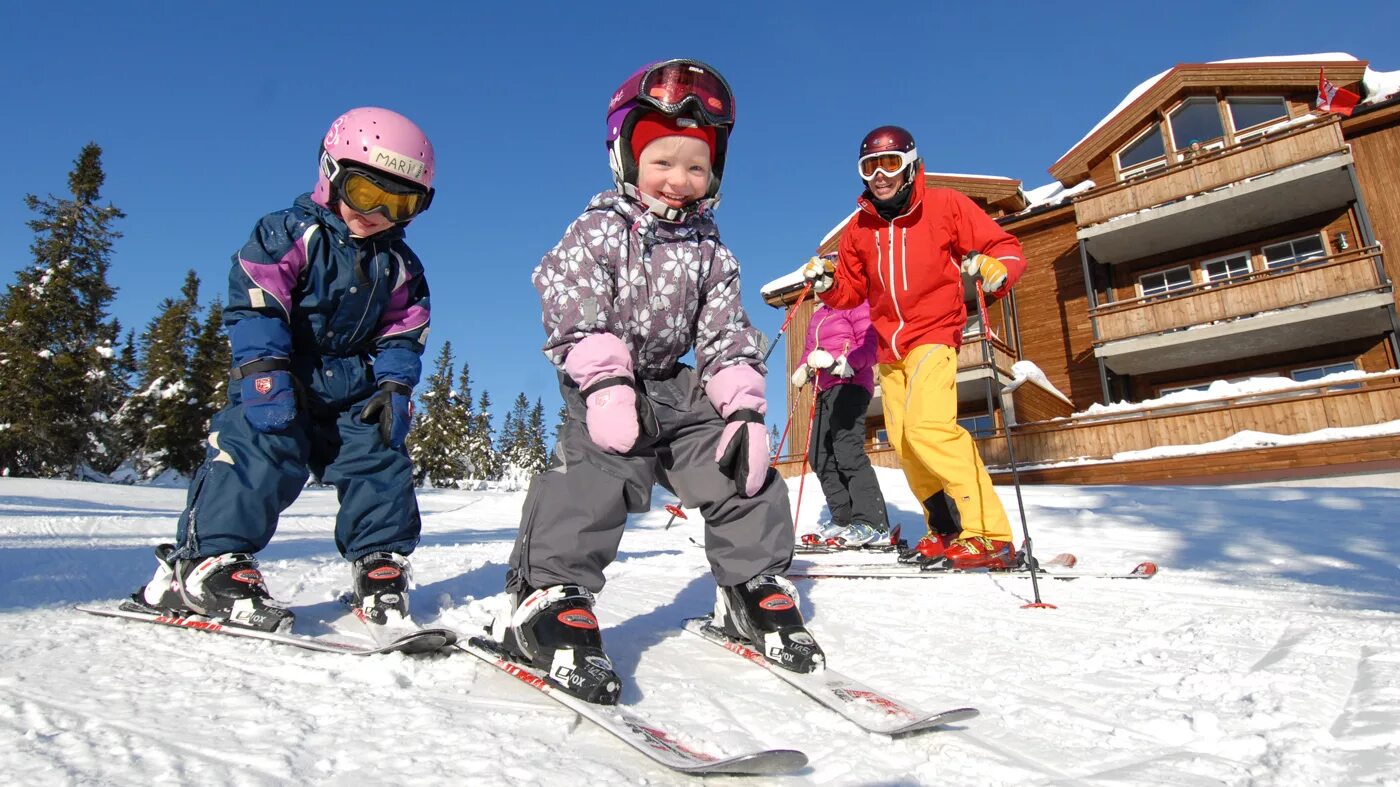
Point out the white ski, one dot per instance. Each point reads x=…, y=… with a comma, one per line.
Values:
x=870, y=709
x=420, y=641
x=658, y=743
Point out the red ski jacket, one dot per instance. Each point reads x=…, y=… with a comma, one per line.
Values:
x=909, y=268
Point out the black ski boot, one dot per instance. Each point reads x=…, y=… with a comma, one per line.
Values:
x=553, y=629
x=764, y=613
x=381, y=589
x=228, y=588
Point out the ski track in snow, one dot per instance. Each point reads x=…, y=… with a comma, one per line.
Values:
x=1267, y=651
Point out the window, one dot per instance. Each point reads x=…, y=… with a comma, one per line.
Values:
x=882, y=437
x=1250, y=111
x=974, y=322
x=979, y=425
x=1318, y=372
x=1180, y=388
x=1196, y=120
x=1165, y=281
x=1294, y=253
x=1226, y=267
x=1142, y=151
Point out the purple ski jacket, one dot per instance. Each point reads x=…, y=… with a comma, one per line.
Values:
x=845, y=332
x=663, y=288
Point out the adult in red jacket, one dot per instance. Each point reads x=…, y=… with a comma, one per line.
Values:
x=905, y=251
x=839, y=358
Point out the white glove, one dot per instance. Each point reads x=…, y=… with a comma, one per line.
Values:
x=820, y=272
x=820, y=359
x=842, y=367
x=799, y=377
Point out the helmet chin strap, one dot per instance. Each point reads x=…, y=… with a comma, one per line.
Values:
x=664, y=211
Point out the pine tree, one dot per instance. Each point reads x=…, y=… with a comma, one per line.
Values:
x=438, y=440
x=515, y=445
x=563, y=416
x=209, y=367
x=538, y=445
x=165, y=409
x=481, y=450
x=57, y=344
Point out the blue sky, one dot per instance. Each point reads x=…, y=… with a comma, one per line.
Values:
x=209, y=115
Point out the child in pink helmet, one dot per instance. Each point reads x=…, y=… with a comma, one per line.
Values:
x=327, y=314
x=638, y=281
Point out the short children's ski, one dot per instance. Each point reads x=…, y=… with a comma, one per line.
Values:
x=420, y=641
x=662, y=745
x=1145, y=570
x=863, y=705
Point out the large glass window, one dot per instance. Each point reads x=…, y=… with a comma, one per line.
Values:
x=1318, y=372
x=1296, y=252
x=1142, y=150
x=1196, y=120
x=1226, y=267
x=1165, y=281
x=979, y=425
x=1250, y=111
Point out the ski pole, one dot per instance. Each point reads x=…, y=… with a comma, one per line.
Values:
x=792, y=408
x=675, y=511
x=1011, y=456
x=773, y=345
x=806, y=449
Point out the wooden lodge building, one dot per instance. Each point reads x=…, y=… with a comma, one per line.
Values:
x=1213, y=227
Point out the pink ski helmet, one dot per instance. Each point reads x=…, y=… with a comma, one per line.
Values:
x=379, y=140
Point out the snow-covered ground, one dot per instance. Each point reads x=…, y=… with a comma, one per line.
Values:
x=1267, y=651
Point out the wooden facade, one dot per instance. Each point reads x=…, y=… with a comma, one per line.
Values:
x=1075, y=311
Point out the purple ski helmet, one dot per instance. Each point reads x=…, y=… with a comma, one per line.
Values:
x=687, y=91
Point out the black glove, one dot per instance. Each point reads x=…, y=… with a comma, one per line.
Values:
x=392, y=407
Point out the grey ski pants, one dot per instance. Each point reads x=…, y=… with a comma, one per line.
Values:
x=576, y=509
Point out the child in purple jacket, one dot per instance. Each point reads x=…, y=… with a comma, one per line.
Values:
x=638, y=281
x=839, y=358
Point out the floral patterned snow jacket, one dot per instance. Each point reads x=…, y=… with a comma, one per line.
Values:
x=662, y=287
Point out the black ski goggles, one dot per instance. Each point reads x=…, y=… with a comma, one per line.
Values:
x=674, y=86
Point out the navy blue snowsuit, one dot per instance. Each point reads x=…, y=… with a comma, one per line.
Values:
x=347, y=313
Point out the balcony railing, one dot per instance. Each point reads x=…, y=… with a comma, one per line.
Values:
x=976, y=354
x=1348, y=273
x=1211, y=170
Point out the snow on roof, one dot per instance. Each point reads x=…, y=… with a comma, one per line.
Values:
x=1025, y=370
x=1053, y=193
x=1380, y=85
x=961, y=175
x=1221, y=389
x=1146, y=86
x=783, y=282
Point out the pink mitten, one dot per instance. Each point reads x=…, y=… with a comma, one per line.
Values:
x=737, y=393
x=602, y=366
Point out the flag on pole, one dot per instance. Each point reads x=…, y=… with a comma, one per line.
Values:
x=1331, y=98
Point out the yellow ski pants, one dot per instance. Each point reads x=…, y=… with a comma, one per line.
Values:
x=921, y=418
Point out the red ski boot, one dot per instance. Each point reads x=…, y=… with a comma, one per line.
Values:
x=980, y=552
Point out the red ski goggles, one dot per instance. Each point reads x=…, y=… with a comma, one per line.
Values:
x=676, y=85
x=366, y=191
x=889, y=164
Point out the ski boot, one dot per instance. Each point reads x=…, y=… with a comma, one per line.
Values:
x=857, y=535
x=763, y=612
x=926, y=551
x=824, y=532
x=228, y=588
x=381, y=583
x=981, y=552
x=553, y=629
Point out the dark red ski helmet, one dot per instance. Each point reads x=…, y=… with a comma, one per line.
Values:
x=887, y=139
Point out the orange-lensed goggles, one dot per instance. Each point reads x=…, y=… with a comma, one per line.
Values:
x=889, y=164
x=365, y=193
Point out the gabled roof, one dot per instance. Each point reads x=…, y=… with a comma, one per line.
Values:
x=1290, y=73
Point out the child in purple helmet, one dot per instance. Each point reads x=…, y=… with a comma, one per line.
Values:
x=327, y=315
x=638, y=281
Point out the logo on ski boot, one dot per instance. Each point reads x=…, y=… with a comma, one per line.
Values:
x=262, y=385
x=578, y=618
x=776, y=602
x=384, y=573
x=248, y=576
